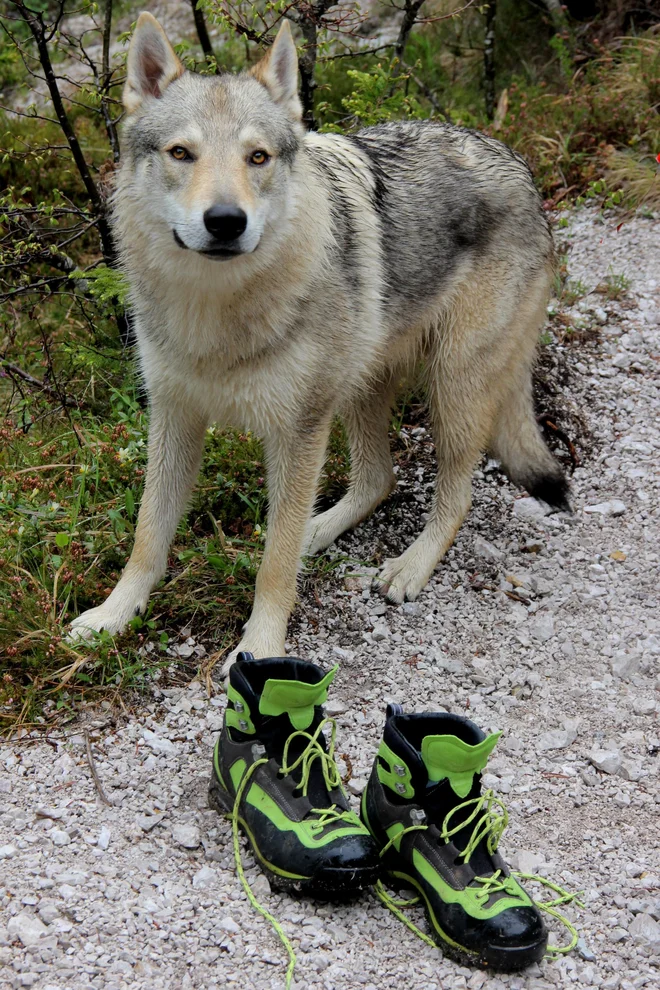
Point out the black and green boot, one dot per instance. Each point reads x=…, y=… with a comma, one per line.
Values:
x=438, y=833
x=274, y=771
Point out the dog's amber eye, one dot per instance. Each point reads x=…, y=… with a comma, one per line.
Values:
x=259, y=158
x=179, y=153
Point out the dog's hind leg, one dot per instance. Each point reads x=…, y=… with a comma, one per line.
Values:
x=479, y=398
x=459, y=415
x=372, y=477
x=467, y=358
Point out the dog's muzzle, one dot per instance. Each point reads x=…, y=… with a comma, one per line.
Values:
x=226, y=225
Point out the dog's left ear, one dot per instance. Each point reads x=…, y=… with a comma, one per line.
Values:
x=278, y=72
x=151, y=65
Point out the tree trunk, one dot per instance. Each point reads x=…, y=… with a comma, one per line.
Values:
x=557, y=14
x=409, y=17
x=106, y=77
x=202, y=32
x=307, y=66
x=489, y=59
x=34, y=21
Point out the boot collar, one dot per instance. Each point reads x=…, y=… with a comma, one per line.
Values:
x=278, y=686
x=428, y=748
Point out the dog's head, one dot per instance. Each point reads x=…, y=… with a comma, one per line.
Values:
x=211, y=156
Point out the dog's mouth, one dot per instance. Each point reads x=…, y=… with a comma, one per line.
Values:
x=220, y=253
x=223, y=253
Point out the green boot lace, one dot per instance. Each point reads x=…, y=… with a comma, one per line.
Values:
x=326, y=816
x=490, y=819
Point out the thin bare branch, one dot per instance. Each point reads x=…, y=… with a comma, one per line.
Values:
x=95, y=777
x=12, y=370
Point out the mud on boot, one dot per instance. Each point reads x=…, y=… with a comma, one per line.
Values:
x=438, y=834
x=274, y=770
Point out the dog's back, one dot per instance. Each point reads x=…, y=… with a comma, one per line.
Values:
x=443, y=197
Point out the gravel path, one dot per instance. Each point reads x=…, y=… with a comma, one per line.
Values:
x=544, y=626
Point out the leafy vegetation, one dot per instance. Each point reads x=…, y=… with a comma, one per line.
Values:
x=582, y=106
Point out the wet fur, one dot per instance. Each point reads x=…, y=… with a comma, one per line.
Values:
x=407, y=243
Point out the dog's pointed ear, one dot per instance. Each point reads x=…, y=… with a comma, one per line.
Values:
x=278, y=72
x=151, y=65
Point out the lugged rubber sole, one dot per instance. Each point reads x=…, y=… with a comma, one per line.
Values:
x=501, y=959
x=331, y=883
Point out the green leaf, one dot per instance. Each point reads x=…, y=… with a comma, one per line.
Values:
x=106, y=284
x=215, y=560
x=62, y=540
x=129, y=502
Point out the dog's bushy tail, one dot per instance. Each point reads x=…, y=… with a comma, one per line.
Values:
x=519, y=446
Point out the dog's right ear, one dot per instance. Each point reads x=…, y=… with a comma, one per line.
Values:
x=151, y=65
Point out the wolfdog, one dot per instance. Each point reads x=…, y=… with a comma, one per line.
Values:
x=280, y=277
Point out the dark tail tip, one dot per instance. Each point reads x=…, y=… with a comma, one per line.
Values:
x=552, y=489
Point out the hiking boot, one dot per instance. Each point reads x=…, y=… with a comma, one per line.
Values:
x=438, y=833
x=274, y=770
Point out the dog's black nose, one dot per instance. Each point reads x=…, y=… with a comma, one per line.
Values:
x=226, y=223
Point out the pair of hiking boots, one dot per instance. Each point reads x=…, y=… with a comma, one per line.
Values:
x=425, y=822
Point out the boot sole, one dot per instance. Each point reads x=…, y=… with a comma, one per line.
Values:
x=501, y=959
x=331, y=883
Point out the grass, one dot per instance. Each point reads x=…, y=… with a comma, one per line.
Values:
x=637, y=178
x=71, y=486
x=570, y=290
x=614, y=286
x=604, y=123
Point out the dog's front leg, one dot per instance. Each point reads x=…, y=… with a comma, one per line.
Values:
x=176, y=440
x=293, y=460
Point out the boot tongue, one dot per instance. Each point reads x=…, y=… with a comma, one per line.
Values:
x=288, y=704
x=450, y=758
x=296, y=699
x=454, y=775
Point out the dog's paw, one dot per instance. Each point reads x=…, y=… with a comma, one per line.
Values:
x=103, y=618
x=401, y=579
x=229, y=663
x=320, y=534
x=93, y=621
x=315, y=542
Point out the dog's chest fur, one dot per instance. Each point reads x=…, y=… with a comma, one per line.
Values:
x=253, y=357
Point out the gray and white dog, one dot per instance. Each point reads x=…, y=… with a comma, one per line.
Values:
x=280, y=277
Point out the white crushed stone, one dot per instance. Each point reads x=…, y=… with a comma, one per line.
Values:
x=188, y=836
x=108, y=898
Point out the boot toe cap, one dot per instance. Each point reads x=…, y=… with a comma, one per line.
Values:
x=515, y=926
x=352, y=852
